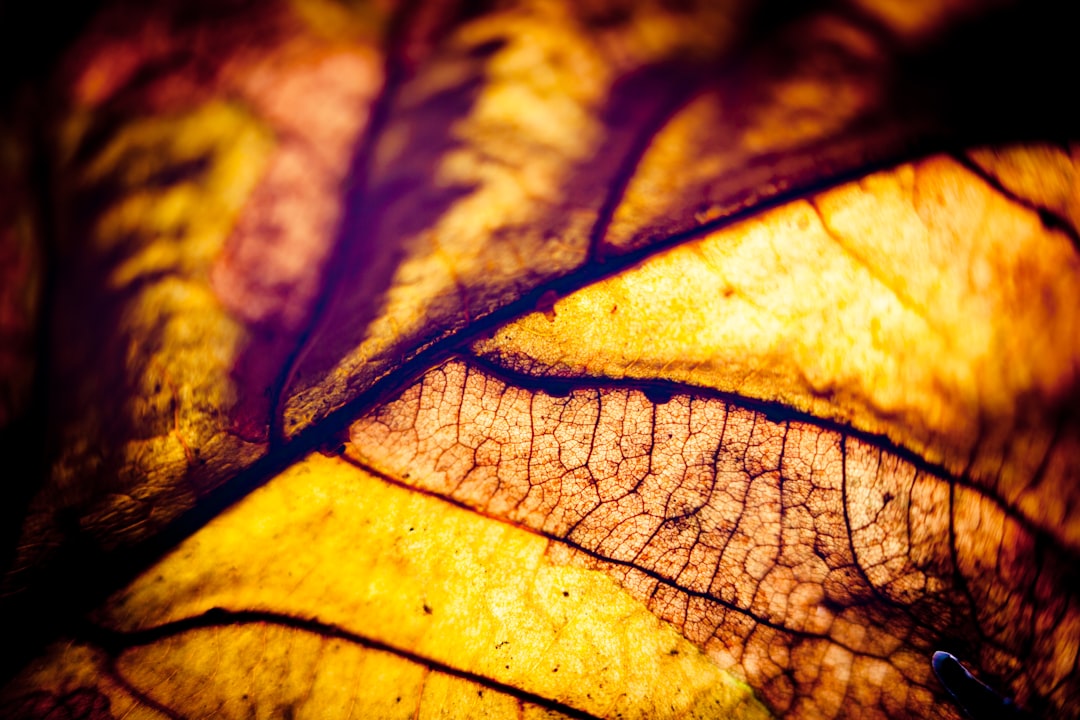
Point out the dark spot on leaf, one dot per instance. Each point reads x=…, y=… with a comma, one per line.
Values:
x=559, y=390
x=657, y=396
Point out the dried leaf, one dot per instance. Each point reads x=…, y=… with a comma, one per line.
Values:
x=820, y=444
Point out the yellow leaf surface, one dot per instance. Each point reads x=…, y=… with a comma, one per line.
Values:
x=919, y=304
x=333, y=591
x=423, y=359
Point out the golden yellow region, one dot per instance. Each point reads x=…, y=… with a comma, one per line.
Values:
x=293, y=679
x=918, y=303
x=302, y=675
x=466, y=612
x=433, y=586
x=286, y=674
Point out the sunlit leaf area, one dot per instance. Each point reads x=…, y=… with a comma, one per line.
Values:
x=540, y=359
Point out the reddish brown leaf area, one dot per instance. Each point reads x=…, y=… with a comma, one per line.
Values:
x=199, y=158
x=313, y=91
x=319, y=105
x=171, y=56
x=821, y=568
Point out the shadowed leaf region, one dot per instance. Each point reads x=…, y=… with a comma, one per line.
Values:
x=193, y=210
